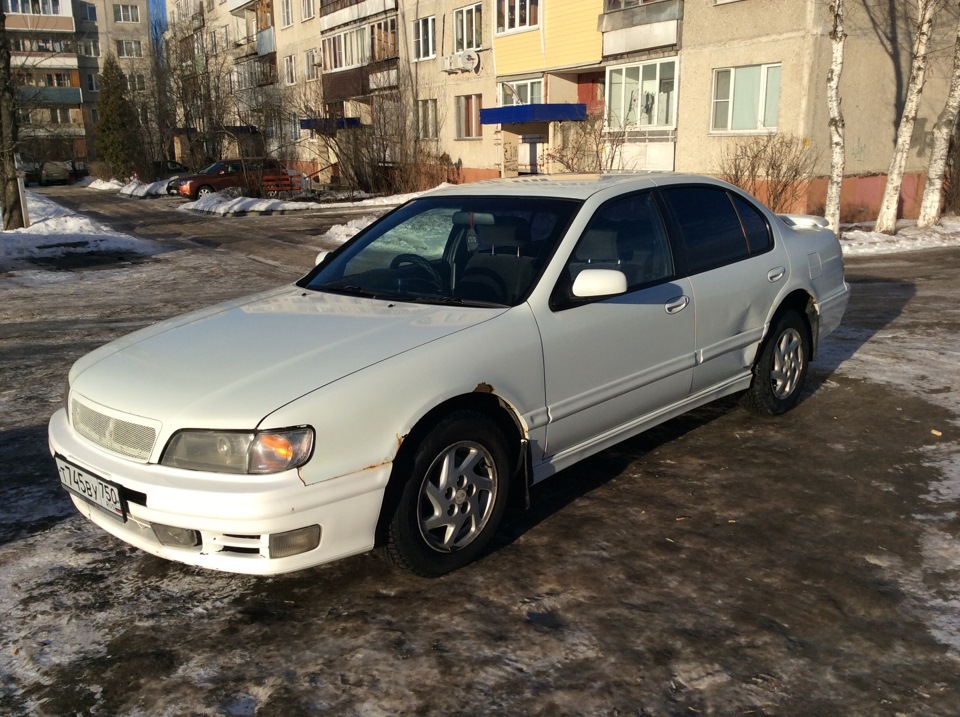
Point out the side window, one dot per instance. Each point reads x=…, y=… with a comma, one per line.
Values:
x=625, y=234
x=755, y=226
x=710, y=226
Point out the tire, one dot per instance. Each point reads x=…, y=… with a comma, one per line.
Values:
x=781, y=368
x=453, y=497
x=203, y=191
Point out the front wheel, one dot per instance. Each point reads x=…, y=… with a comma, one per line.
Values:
x=454, y=497
x=781, y=368
x=204, y=191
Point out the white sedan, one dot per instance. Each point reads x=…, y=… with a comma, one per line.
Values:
x=467, y=345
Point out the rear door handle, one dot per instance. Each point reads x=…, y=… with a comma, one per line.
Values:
x=776, y=274
x=675, y=306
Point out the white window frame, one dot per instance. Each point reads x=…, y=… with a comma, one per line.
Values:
x=464, y=19
x=762, y=108
x=132, y=13
x=464, y=124
x=508, y=94
x=89, y=13
x=286, y=13
x=307, y=9
x=655, y=110
x=516, y=16
x=345, y=50
x=311, y=64
x=135, y=82
x=134, y=46
x=380, y=50
x=427, y=119
x=290, y=69
x=425, y=38
x=89, y=47
x=93, y=82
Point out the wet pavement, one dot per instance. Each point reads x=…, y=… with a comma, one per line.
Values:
x=720, y=564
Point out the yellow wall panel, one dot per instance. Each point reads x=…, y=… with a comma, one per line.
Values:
x=567, y=36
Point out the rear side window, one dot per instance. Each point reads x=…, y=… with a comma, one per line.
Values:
x=717, y=226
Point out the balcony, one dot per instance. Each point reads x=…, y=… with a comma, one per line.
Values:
x=341, y=12
x=266, y=42
x=239, y=7
x=51, y=95
x=628, y=26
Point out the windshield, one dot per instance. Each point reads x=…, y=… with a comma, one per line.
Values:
x=211, y=169
x=475, y=250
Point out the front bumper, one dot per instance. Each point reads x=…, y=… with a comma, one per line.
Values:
x=235, y=515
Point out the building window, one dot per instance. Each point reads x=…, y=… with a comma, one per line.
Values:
x=126, y=13
x=59, y=115
x=614, y=5
x=468, y=116
x=135, y=83
x=93, y=83
x=129, y=48
x=32, y=7
x=427, y=119
x=56, y=79
x=307, y=9
x=90, y=48
x=345, y=50
x=424, y=41
x=286, y=13
x=289, y=70
x=517, y=14
x=468, y=28
x=383, y=39
x=523, y=92
x=95, y=115
x=88, y=12
x=746, y=99
x=311, y=64
x=642, y=95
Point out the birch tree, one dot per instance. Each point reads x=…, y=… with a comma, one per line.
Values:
x=942, y=132
x=837, y=158
x=10, y=196
x=887, y=218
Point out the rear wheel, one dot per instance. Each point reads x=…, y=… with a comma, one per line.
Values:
x=454, y=497
x=781, y=368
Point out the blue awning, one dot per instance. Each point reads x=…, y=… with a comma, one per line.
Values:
x=329, y=125
x=519, y=114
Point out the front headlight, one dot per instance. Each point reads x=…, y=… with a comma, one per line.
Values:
x=255, y=452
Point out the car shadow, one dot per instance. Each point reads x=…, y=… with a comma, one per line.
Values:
x=31, y=499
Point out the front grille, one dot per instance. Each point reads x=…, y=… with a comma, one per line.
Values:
x=128, y=439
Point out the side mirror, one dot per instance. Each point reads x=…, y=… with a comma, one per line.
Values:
x=320, y=257
x=599, y=282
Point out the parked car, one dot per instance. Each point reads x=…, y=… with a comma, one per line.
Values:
x=170, y=168
x=260, y=175
x=469, y=344
x=54, y=173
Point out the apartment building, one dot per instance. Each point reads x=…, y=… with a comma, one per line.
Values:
x=506, y=87
x=57, y=48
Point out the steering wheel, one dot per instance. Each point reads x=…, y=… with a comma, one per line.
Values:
x=420, y=263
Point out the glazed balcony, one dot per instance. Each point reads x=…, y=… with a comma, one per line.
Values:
x=633, y=25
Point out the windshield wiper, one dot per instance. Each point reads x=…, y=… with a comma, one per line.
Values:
x=349, y=289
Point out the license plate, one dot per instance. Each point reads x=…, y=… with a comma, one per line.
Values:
x=91, y=488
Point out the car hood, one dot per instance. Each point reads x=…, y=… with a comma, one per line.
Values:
x=231, y=365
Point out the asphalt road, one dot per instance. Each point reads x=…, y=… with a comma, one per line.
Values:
x=719, y=564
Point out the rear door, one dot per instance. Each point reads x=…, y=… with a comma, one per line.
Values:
x=736, y=271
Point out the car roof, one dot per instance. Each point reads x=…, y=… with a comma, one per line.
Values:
x=573, y=186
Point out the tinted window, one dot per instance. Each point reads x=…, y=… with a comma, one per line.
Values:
x=754, y=225
x=625, y=234
x=711, y=229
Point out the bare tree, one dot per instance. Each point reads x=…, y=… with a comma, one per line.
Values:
x=587, y=146
x=774, y=167
x=943, y=131
x=12, y=210
x=887, y=218
x=837, y=155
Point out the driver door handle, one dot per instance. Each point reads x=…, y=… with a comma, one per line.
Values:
x=677, y=305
